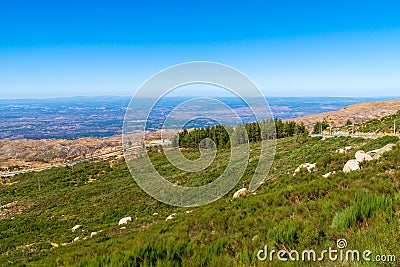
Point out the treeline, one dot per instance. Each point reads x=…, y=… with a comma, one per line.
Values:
x=203, y=137
x=218, y=135
x=321, y=126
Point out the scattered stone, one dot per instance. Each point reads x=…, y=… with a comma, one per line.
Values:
x=340, y=151
x=125, y=220
x=155, y=214
x=76, y=239
x=54, y=245
x=241, y=192
x=91, y=180
x=188, y=211
x=307, y=166
x=344, y=150
x=76, y=227
x=9, y=205
x=326, y=175
x=351, y=165
x=122, y=228
x=170, y=217
x=92, y=234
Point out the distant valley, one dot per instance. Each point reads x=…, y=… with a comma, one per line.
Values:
x=78, y=117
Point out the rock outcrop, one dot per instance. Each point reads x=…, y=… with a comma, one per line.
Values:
x=125, y=220
x=240, y=192
x=308, y=166
x=351, y=165
x=361, y=156
x=377, y=153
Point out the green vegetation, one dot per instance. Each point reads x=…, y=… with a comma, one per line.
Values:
x=379, y=125
x=300, y=212
x=365, y=205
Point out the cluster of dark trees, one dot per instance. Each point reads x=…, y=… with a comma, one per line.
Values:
x=204, y=137
x=218, y=135
x=320, y=126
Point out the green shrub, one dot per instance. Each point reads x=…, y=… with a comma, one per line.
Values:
x=284, y=233
x=364, y=207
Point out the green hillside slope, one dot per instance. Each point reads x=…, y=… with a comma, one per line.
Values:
x=305, y=211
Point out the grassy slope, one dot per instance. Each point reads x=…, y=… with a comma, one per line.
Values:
x=287, y=212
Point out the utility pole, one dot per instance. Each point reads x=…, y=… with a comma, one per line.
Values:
x=353, y=128
x=394, y=128
x=320, y=126
x=38, y=182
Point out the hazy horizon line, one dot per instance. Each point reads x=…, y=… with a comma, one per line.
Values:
x=183, y=96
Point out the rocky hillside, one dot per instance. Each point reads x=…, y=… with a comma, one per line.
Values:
x=24, y=154
x=355, y=113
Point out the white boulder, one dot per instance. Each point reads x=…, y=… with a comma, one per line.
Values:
x=125, y=220
x=241, y=192
x=351, y=165
x=92, y=234
x=361, y=156
x=76, y=239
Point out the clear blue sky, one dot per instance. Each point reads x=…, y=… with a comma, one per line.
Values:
x=289, y=48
